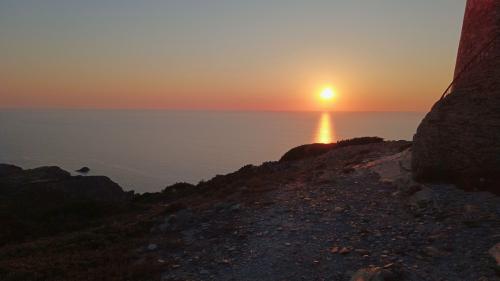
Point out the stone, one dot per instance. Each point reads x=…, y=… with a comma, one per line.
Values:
x=472, y=215
x=235, y=207
x=457, y=142
x=164, y=227
x=432, y=252
x=375, y=274
x=422, y=199
x=495, y=253
x=344, y=251
x=406, y=186
x=334, y=250
x=339, y=209
x=152, y=247
x=362, y=252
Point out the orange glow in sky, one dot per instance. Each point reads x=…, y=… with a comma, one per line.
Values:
x=218, y=56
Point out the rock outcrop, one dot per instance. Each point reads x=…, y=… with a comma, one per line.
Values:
x=83, y=170
x=15, y=181
x=48, y=200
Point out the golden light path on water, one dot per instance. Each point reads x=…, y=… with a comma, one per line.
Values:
x=325, y=132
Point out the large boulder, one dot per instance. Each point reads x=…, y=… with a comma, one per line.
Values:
x=459, y=141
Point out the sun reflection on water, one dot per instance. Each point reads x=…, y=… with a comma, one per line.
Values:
x=325, y=132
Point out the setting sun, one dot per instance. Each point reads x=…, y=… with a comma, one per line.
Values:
x=327, y=93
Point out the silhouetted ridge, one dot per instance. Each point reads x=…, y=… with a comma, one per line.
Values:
x=312, y=150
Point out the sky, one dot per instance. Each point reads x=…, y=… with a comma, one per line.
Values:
x=378, y=55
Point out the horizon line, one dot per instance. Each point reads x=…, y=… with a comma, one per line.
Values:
x=202, y=110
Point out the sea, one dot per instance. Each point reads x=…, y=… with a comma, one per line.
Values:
x=147, y=150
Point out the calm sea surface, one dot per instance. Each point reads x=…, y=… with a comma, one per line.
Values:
x=148, y=150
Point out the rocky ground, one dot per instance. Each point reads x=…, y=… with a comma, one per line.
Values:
x=348, y=213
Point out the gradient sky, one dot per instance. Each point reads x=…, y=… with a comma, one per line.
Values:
x=395, y=55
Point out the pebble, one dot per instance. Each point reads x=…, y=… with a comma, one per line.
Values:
x=152, y=247
x=339, y=209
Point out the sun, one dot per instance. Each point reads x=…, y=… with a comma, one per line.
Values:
x=327, y=94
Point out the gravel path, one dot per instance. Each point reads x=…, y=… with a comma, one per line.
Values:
x=328, y=227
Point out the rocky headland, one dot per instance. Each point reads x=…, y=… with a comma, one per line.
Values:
x=345, y=211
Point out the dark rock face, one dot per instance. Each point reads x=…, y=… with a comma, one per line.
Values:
x=48, y=200
x=459, y=141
